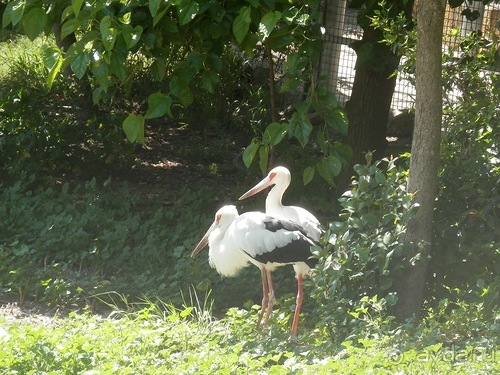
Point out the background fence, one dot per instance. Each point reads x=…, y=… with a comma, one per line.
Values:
x=341, y=29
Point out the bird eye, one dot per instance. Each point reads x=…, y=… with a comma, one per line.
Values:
x=272, y=175
x=217, y=219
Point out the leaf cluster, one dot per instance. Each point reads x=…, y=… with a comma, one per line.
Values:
x=44, y=130
x=466, y=239
x=365, y=250
x=181, y=45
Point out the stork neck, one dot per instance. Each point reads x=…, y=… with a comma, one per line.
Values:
x=274, y=197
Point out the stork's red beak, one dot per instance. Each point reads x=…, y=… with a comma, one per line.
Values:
x=265, y=183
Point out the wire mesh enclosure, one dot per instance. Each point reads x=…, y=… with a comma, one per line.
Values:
x=340, y=30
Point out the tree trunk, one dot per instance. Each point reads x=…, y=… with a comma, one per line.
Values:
x=368, y=112
x=370, y=102
x=424, y=163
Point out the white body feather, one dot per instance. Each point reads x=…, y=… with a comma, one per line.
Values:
x=280, y=177
x=236, y=240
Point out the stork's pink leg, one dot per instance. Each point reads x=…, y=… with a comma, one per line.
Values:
x=270, y=303
x=300, y=297
x=265, y=297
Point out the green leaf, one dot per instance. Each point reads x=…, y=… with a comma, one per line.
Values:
x=209, y=79
x=263, y=158
x=249, y=43
x=160, y=15
x=186, y=312
x=54, y=71
x=180, y=89
x=34, y=22
x=338, y=121
x=53, y=61
x=50, y=57
x=158, y=105
x=302, y=108
x=159, y=68
x=118, y=65
x=300, y=127
x=13, y=12
x=97, y=95
x=322, y=143
x=324, y=171
x=132, y=35
x=108, y=33
x=281, y=38
x=105, y=24
x=100, y=70
x=79, y=64
x=133, y=126
x=328, y=169
x=154, y=5
x=334, y=165
x=214, y=62
x=195, y=61
x=274, y=133
x=241, y=24
x=308, y=175
x=69, y=27
x=76, y=5
x=250, y=152
x=188, y=12
x=268, y=23
x=380, y=178
x=7, y=15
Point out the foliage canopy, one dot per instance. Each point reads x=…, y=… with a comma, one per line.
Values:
x=181, y=44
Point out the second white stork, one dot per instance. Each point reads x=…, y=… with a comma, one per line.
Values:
x=253, y=237
x=280, y=177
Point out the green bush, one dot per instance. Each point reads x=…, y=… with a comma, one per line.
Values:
x=365, y=251
x=52, y=128
x=466, y=244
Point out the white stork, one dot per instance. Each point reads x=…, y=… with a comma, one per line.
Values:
x=280, y=177
x=253, y=237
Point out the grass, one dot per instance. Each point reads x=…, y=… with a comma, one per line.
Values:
x=163, y=339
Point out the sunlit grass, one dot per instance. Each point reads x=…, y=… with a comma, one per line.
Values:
x=15, y=48
x=163, y=339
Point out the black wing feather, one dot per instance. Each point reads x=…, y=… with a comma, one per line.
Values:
x=298, y=250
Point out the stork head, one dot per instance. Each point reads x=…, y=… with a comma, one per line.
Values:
x=223, y=218
x=277, y=176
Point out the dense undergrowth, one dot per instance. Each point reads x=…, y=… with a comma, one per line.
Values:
x=160, y=338
x=65, y=246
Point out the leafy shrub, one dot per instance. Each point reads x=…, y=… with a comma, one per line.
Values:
x=46, y=128
x=365, y=251
x=466, y=244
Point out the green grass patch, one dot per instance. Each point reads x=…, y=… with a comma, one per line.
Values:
x=162, y=339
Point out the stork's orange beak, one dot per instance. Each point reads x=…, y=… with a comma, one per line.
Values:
x=265, y=183
x=203, y=242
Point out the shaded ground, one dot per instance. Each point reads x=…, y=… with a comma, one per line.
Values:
x=174, y=159
x=31, y=313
